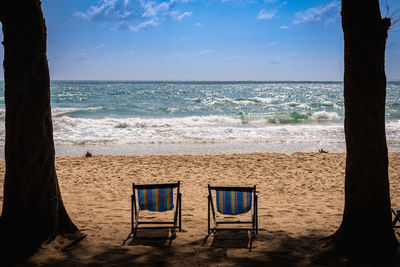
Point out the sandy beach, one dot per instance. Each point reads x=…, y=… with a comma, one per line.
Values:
x=301, y=199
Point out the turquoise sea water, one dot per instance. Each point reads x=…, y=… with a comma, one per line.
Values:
x=124, y=117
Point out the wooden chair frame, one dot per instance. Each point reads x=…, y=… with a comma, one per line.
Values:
x=172, y=225
x=254, y=217
x=396, y=218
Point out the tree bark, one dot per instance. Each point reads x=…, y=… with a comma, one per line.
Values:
x=366, y=230
x=33, y=210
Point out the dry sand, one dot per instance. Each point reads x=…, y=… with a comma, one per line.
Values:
x=301, y=200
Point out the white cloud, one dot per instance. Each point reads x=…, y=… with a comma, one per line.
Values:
x=124, y=26
x=100, y=46
x=151, y=10
x=207, y=51
x=144, y=25
x=289, y=54
x=284, y=27
x=266, y=15
x=182, y=56
x=327, y=14
x=236, y=58
x=273, y=43
x=243, y=2
x=129, y=53
x=151, y=13
x=81, y=56
x=177, y=16
x=273, y=60
x=276, y=59
x=198, y=24
x=109, y=10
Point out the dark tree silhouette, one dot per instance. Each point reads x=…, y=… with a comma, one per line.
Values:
x=33, y=210
x=366, y=229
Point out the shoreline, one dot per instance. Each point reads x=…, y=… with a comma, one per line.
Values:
x=200, y=149
x=191, y=149
x=186, y=149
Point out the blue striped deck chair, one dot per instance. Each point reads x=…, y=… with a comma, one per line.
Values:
x=396, y=219
x=233, y=201
x=155, y=198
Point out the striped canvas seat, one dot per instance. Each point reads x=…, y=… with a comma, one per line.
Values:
x=156, y=199
x=233, y=202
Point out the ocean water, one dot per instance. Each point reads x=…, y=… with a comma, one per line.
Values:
x=130, y=117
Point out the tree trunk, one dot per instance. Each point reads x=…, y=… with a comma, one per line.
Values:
x=33, y=210
x=366, y=229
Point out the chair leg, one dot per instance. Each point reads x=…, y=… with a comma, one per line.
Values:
x=257, y=215
x=133, y=218
x=136, y=223
x=208, y=215
x=254, y=217
x=127, y=238
x=251, y=240
x=180, y=212
x=173, y=233
x=396, y=217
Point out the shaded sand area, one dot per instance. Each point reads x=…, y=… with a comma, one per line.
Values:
x=301, y=200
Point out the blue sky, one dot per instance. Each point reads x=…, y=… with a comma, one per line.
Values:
x=201, y=40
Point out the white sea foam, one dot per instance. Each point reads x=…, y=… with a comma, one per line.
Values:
x=244, y=101
x=195, y=129
x=63, y=111
x=325, y=116
x=207, y=130
x=204, y=129
x=57, y=112
x=265, y=100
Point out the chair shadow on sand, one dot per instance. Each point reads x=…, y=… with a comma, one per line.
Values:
x=230, y=239
x=152, y=237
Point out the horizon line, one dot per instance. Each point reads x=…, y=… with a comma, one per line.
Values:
x=177, y=80
x=172, y=80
